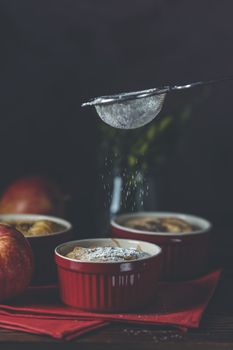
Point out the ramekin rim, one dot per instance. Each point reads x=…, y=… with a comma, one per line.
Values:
x=112, y=262
x=114, y=224
x=63, y=222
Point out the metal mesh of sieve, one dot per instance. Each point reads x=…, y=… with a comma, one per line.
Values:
x=131, y=114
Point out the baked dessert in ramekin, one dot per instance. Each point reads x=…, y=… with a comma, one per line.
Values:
x=109, y=275
x=184, y=240
x=44, y=233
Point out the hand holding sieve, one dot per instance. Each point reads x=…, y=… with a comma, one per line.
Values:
x=132, y=110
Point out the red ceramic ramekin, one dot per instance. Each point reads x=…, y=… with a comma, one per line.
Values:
x=43, y=245
x=108, y=286
x=184, y=255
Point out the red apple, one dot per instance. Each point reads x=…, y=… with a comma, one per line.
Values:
x=16, y=262
x=33, y=195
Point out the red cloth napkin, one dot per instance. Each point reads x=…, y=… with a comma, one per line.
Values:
x=39, y=310
x=57, y=328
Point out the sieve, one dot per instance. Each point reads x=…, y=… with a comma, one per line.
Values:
x=131, y=110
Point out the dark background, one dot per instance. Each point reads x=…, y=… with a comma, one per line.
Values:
x=56, y=54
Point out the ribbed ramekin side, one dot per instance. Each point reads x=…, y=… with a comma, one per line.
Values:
x=185, y=260
x=108, y=292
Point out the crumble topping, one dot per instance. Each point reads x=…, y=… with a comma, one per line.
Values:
x=166, y=224
x=34, y=228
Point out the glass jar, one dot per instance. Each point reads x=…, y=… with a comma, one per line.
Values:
x=122, y=192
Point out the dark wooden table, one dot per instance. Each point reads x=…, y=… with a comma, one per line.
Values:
x=215, y=332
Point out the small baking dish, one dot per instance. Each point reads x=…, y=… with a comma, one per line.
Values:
x=108, y=286
x=43, y=244
x=184, y=255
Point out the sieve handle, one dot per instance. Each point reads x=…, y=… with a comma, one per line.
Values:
x=199, y=83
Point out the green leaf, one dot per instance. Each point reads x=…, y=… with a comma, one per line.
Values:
x=143, y=149
x=151, y=132
x=165, y=123
x=132, y=161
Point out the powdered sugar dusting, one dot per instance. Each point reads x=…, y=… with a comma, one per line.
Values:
x=106, y=254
